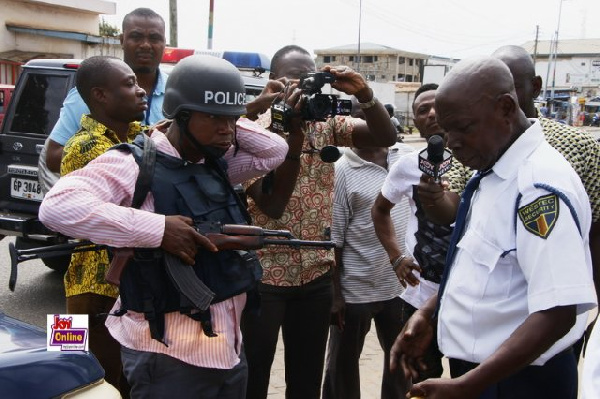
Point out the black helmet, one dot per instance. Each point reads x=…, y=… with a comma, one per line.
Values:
x=205, y=83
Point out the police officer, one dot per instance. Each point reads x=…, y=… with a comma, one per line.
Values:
x=170, y=347
x=508, y=309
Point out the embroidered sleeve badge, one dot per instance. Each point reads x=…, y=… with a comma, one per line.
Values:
x=539, y=216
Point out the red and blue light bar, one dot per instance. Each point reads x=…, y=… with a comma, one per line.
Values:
x=242, y=60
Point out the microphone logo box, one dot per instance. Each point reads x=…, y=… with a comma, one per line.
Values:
x=435, y=169
x=67, y=332
x=445, y=166
x=426, y=167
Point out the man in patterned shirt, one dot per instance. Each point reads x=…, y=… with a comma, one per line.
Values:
x=116, y=102
x=296, y=289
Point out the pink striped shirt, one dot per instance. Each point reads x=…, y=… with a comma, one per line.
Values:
x=93, y=203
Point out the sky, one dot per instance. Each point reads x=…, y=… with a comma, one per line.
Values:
x=445, y=28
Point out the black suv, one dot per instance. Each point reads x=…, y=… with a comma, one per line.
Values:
x=31, y=115
x=32, y=112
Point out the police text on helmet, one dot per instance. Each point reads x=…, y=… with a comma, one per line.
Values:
x=220, y=97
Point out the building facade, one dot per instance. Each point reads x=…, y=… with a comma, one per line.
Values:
x=574, y=69
x=395, y=75
x=377, y=63
x=51, y=29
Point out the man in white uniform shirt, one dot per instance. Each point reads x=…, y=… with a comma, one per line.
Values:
x=510, y=310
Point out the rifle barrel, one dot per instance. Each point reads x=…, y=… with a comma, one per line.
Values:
x=278, y=233
x=300, y=243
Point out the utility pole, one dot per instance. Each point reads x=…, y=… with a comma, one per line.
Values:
x=358, y=52
x=537, y=32
x=211, y=10
x=552, y=55
x=173, y=23
x=556, y=50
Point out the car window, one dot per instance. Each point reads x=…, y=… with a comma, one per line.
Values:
x=41, y=99
x=252, y=93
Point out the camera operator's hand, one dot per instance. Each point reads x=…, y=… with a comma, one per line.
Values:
x=273, y=91
x=350, y=82
x=377, y=129
x=295, y=100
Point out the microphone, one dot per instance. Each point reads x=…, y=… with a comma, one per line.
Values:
x=330, y=153
x=435, y=160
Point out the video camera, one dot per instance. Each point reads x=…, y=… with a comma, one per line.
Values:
x=315, y=105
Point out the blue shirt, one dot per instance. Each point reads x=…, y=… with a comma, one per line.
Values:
x=74, y=108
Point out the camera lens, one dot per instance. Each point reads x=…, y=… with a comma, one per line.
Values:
x=320, y=106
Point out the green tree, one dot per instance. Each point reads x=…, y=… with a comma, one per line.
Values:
x=107, y=29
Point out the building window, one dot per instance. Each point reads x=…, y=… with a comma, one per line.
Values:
x=371, y=78
x=351, y=58
x=411, y=62
x=367, y=58
x=401, y=60
x=328, y=58
x=383, y=77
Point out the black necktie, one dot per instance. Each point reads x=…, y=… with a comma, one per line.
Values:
x=459, y=228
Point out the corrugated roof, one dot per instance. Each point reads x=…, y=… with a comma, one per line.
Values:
x=69, y=35
x=567, y=47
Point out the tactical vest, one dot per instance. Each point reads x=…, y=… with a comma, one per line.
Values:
x=203, y=193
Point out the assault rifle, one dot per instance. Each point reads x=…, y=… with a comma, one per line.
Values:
x=224, y=236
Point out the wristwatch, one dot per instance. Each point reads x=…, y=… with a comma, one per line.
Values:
x=368, y=104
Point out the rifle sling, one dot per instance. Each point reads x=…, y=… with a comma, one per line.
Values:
x=144, y=181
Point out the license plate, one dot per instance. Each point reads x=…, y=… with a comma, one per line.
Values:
x=26, y=189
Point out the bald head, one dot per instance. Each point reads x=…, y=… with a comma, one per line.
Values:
x=516, y=57
x=475, y=79
x=476, y=105
x=527, y=84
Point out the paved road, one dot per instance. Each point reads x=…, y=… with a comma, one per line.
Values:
x=39, y=290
